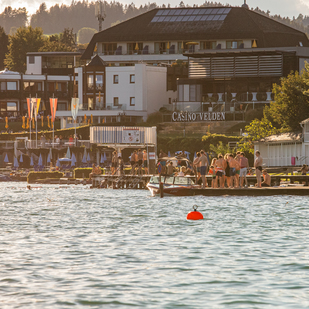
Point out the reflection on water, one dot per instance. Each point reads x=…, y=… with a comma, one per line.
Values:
x=69, y=246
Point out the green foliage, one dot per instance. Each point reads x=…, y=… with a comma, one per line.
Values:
x=256, y=130
x=26, y=39
x=154, y=118
x=33, y=176
x=13, y=18
x=194, y=144
x=4, y=41
x=291, y=102
x=221, y=148
x=84, y=35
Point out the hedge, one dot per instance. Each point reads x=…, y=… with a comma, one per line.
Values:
x=33, y=176
x=84, y=172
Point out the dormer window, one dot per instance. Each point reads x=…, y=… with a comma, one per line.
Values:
x=233, y=44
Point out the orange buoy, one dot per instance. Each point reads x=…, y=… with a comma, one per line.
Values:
x=194, y=215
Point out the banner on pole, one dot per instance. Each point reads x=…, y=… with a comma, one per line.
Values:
x=36, y=106
x=74, y=107
x=53, y=108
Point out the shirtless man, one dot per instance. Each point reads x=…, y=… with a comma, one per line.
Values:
x=244, y=165
x=220, y=167
x=267, y=179
x=197, y=167
x=145, y=162
x=140, y=161
x=233, y=166
x=204, y=163
x=114, y=162
x=258, y=168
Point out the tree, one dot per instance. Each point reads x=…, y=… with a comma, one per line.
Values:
x=291, y=102
x=4, y=41
x=85, y=34
x=256, y=130
x=26, y=39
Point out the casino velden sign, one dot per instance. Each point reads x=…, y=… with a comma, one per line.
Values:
x=196, y=117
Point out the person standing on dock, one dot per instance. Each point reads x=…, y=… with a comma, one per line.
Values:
x=244, y=165
x=258, y=168
x=145, y=162
x=114, y=163
x=204, y=164
x=140, y=162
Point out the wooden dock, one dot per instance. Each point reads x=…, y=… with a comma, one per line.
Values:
x=251, y=191
x=120, y=182
x=140, y=182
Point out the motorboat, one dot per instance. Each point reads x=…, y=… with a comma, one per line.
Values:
x=172, y=185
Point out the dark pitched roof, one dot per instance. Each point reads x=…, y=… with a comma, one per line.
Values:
x=96, y=61
x=185, y=24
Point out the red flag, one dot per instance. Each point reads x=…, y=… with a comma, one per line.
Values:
x=29, y=109
x=53, y=108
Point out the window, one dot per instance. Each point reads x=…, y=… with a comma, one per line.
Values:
x=132, y=101
x=3, y=86
x=233, y=44
x=116, y=79
x=12, y=106
x=31, y=60
x=134, y=48
x=208, y=44
x=109, y=48
x=132, y=78
x=116, y=101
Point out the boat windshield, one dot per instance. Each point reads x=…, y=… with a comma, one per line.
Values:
x=183, y=181
x=154, y=179
x=169, y=180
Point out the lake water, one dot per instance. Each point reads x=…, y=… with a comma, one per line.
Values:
x=73, y=247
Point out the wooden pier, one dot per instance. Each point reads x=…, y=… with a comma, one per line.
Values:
x=140, y=182
x=120, y=182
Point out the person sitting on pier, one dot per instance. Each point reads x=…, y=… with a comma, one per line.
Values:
x=114, y=162
x=267, y=179
x=93, y=172
x=145, y=162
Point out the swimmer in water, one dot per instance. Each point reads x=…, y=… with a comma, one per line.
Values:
x=29, y=187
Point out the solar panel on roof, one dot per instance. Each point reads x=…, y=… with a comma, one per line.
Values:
x=177, y=15
x=220, y=11
x=165, y=12
x=198, y=17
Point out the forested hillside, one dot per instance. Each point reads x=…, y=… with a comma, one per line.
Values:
x=80, y=14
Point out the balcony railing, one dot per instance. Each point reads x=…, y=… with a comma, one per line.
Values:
x=33, y=144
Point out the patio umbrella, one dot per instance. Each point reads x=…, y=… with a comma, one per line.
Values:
x=31, y=161
x=68, y=155
x=58, y=163
x=169, y=154
x=40, y=163
x=88, y=157
x=48, y=158
x=21, y=158
x=195, y=155
x=102, y=159
x=73, y=160
x=104, y=156
x=16, y=162
x=84, y=160
x=6, y=159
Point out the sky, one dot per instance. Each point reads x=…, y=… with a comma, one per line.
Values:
x=285, y=8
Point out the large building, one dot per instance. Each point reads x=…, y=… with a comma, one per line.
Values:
x=213, y=60
x=234, y=55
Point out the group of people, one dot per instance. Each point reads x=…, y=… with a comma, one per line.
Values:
x=138, y=161
x=226, y=170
